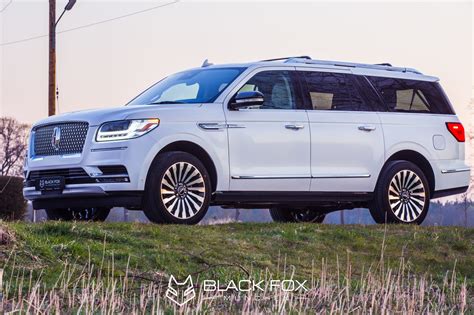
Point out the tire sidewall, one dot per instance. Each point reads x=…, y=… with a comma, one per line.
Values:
x=71, y=214
x=383, y=206
x=154, y=208
x=288, y=215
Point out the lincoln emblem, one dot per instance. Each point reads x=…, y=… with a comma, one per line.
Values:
x=56, y=138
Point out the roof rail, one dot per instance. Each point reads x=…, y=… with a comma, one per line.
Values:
x=286, y=58
x=383, y=66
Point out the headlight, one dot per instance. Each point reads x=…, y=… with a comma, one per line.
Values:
x=125, y=129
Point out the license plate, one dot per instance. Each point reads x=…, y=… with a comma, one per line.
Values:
x=55, y=183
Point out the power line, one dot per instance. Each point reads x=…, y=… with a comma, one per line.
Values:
x=91, y=24
x=6, y=6
x=23, y=40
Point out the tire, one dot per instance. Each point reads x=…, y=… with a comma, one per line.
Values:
x=402, y=194
x=178, y=189
x=70, y=214
x=291, y=215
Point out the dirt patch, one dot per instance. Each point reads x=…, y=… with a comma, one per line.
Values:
x=6, y=236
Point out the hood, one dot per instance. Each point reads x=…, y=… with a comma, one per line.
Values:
x=96, y=117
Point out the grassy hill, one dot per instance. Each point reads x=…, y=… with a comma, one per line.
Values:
x=181, y=250
x=235, y=251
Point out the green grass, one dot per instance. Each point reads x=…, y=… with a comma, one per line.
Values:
x=224, y=251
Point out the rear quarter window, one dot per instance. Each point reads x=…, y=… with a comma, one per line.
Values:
x=412, y=96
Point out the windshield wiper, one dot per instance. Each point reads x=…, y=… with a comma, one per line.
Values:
x=167, y=102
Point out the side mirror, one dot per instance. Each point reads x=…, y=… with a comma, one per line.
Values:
x=245, y=99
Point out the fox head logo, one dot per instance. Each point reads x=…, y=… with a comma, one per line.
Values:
x=180, y=292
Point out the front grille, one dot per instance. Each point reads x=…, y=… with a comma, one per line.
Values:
x=71, y=139
x=71, y=176
x=65, y=172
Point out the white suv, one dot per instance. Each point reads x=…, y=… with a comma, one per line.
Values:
x=301, y=137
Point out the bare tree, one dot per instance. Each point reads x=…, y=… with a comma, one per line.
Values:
x=13, y=135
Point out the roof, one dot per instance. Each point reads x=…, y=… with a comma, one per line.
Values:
x=383, y=69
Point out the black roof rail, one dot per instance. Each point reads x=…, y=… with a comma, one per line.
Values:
x=384, y=64
x=284, y=58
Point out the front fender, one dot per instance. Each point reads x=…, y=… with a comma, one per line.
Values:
x=217, y=152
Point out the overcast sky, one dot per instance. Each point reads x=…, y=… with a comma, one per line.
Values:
x=108, y=64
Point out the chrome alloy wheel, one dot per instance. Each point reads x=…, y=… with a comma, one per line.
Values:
x=183, y=190
x=406, y=195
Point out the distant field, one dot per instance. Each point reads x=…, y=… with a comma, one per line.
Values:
x=151, y=253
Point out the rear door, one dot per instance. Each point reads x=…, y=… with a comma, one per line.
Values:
x=347, y=145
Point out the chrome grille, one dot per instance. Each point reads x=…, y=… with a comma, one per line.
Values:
x=71, y=140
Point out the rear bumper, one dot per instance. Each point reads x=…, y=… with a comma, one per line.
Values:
x=451, y=174
x=83, y=196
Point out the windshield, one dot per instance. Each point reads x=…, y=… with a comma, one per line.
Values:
x=189, y=87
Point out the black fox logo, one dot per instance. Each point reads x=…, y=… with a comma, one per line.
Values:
x=180, y=292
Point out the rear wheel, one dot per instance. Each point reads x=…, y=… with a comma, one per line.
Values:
x=178, y=189
x=78, y=214
x=402, y=194
x=293, y=215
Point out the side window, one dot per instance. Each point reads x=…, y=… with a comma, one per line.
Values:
x=278, y=88
x=411, y=100
x=403, y=95
x=333, y=91
x=369, y=94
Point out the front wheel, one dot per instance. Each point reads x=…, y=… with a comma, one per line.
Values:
x=402, y=194
x=78, y=214
x=293, y=215
x=178, y=189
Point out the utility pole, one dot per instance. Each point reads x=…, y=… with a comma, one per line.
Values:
x=52, y=53
x=52, y=59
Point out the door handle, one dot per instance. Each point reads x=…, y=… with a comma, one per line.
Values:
x=294, y=127
x=366, y=128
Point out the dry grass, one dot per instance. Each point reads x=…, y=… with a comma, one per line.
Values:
x=89, y=290
x=59, y=267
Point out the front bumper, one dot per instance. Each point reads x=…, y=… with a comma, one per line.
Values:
x=30, y=193
x=87, y=183
x=83, y=196
x=128, y=153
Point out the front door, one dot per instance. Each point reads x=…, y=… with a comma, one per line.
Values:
x=269, y=145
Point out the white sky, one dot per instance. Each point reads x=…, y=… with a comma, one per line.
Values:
x=108, y=64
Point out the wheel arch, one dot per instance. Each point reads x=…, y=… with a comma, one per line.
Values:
x=196, y=150
x=419, y=160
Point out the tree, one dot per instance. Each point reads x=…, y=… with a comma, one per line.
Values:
x=13, y=138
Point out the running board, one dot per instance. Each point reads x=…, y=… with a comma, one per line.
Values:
x=278, y=197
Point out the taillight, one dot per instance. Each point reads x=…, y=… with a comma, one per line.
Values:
x=457, y=130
